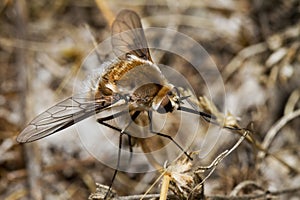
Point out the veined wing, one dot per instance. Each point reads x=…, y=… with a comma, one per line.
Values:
x=63, y=115
x=128, y=36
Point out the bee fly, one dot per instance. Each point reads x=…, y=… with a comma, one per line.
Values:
x=133, y=78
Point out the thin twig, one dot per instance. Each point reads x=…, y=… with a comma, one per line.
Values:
x=292, y=101
x=242, y=185
x=275, y=128
x=221, y=156
x=133, y=197
x=244, y=54
x=266, y=195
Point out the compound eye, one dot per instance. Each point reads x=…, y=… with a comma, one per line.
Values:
x=170, y=93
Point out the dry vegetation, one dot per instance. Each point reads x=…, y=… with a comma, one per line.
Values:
x=255, y=44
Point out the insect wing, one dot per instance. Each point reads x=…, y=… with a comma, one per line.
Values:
x=63, y=115
x=128, y=36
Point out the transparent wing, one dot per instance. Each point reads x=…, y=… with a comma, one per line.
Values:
x=63, y=115
x=128, y=36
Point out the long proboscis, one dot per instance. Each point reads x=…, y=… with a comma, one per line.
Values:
x=207, y=117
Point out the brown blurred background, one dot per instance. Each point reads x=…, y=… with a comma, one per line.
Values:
x=255, y=44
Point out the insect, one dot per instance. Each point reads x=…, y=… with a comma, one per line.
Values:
x=132, y=79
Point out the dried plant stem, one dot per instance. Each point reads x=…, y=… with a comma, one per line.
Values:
x=242, y=185
x=106, y=11
x=165, y=187
x=133, y=197
x=31, y=152
x=244, y=54
x=263, y=150
x=275, y=128
x=265, y=195
x=220, y=157
x=292, y=101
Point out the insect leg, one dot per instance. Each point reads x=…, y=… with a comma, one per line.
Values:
x=110, y=117
x=165, y=136
x=133, y=117
x=119, y=151
x=103, y=122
